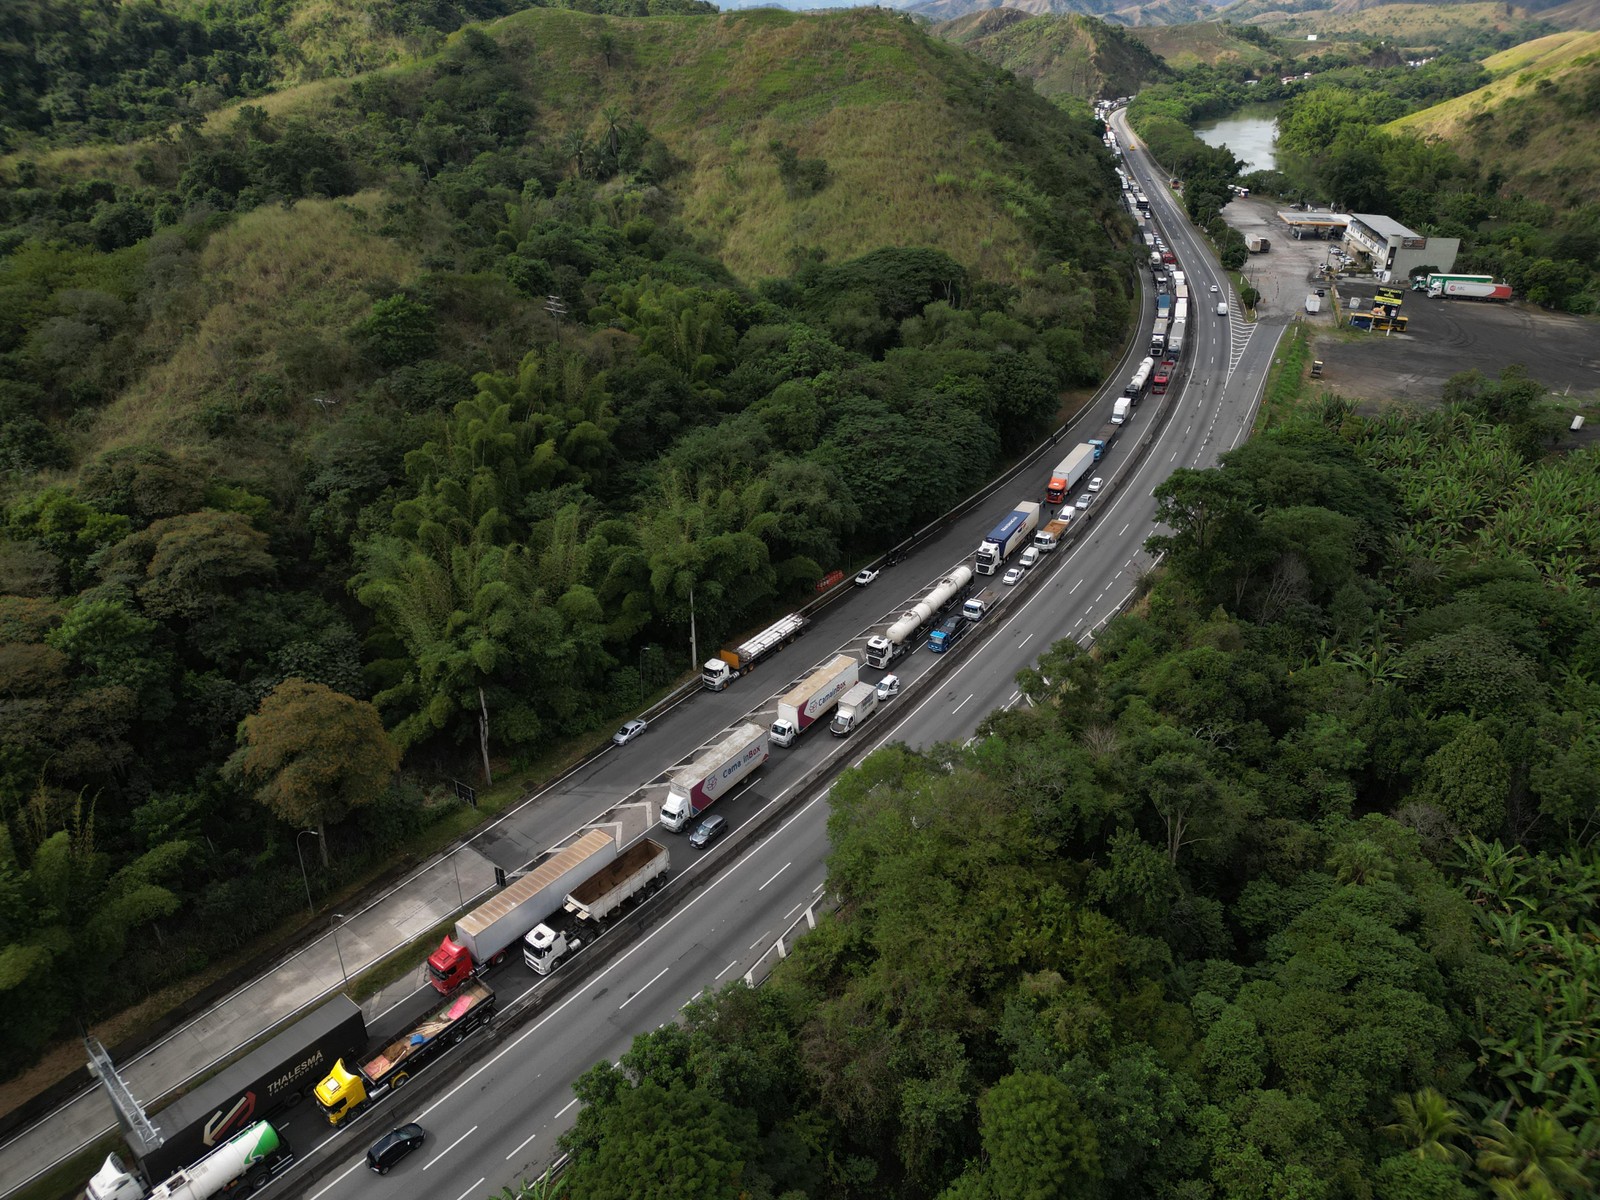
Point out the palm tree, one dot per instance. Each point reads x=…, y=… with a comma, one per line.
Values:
x=1539, y=1158
x=1429, y=1126
x=1360, y=863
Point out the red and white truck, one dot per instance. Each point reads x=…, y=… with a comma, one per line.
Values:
x=640, y=870
x=812, y=698
x=714, y=774
x=485, y=937
x=1470, y=289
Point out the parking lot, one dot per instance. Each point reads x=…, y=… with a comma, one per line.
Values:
x=1442, y=336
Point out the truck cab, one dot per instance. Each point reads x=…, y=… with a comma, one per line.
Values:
x=783, y=732
x=340, y=1093
x=716, y=675
x=545, y=947
x=450, y=966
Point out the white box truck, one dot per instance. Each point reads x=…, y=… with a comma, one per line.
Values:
x=714, y=774
x=811, y=699
x=859, y=703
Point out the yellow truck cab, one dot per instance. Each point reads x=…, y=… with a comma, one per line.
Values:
x=341, y=1093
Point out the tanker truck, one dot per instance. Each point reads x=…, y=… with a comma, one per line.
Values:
x=707, y=779
x=485, y=937
x=810, y=700
x=639, y=871
x=248, y=1161
x=903, y=636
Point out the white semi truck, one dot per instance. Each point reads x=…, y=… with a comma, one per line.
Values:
x=251, y=1159
x=740, y=658
x=1010, y=535
x=714, y=774
x=812, y=698
x=636, y=873
x=905, y=634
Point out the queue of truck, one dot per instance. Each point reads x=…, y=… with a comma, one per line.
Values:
x=903, y=634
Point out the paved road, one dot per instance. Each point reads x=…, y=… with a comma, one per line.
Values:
x=525, y=1089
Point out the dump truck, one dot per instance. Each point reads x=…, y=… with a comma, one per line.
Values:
x=271, y=1077
x=696, y=787
x=635, y=874
x=247, y=1162
x=1048, y=538
x=345, y=1092
x=1008, y=536
x=1257, y=245
x=811, y=699
x=1470, y=289
x=977, y=607
x=1069, y=472
x=486, y=936
x=736, y=660
x=856, y=705
x=903, y=634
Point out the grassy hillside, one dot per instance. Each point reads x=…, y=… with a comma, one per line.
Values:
x=1116, y=11
x=1213, y=43
x=1538, y=122
x=1064, y=56
x=1419, y=25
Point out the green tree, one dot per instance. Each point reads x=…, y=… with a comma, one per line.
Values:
x=314, y=755
x=1538, y=1158
x=183, y=567
x=1469, y=780
x=1430, y=1126
x=1038, y=1143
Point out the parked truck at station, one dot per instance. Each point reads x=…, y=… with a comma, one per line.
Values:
x=855, y=706
x=1069, y=472
x=246, y=1162
x=1010, y=535
x=735, y=660
x=1470, y=289
x=813, y=698
x=1257, y=245
x=636, y=873
x=714, y=774
x=486, y=936
x=1437, y=279
x=903, y=635
x=272, y=1076
x=345, y=1092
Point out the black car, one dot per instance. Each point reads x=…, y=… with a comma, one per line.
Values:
x=708, y=831
x=393, y=1146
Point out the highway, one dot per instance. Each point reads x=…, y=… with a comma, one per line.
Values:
x=499, y=1123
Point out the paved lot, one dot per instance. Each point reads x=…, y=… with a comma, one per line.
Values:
x=1442, y=338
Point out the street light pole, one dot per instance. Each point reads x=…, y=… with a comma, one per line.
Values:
x=304, y=878
x=339, y=920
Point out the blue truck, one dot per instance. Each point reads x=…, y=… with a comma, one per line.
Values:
x=1011, y=534
x=948, y=634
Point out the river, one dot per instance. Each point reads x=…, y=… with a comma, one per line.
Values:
x=1248, y=133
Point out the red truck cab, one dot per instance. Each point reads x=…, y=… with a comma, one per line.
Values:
x=449, y=966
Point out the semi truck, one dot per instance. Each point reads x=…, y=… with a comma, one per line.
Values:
x=1048, y=538
x=811, y=699
x=633, y=875
x=485, y=937
x=345, y=1092
x=1426, y=283
x=1119, y=410
x=1470, y=289
x=1180, y=309
x=901, y=637
x=977, y=607
x=714, y=774
x=1068, y=474
x=272, y=1076
x=948, y=633
x=1163, y=306
x=735, y=660
x=1010, y=535
x=248, y=1161
x=1140, y=379
x=1175, y=339
x=855, y=706
x=1158, y=336
x=1257, y=245
x=1162, y=378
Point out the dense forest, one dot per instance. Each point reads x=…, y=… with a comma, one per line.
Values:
x=1288, y=887
x=1333, y=150
x=408, y=418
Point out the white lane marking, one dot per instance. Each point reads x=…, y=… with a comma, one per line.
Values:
x=726, y=969
x=1124, y=529
x=775, y=874
x=338, y=1179
x=819, y=887
x=641, y=991
x=759, y=941
x=564, y=1111
x=1174, y=457
x=1024, y=641
x=518, y=1150
x=963, y=704
x=1075, y=587
x=471, y=1189
x=794, y=910
x=450, y=1147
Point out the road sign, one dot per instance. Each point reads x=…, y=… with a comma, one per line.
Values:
x=1390, y=296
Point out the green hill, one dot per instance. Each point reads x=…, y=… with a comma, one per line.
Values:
x=1213, y=43
x=1538, y=122
x=1063, y=55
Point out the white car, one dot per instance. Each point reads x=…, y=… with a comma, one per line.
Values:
x=1084, y=501
x=888, y=687
x=865, y=577
x=1014, y=575
x=1096, y=484
x=628, y=732
x=1213, y=287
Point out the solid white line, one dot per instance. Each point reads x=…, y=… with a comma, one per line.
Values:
x=759, y=941
x=568, y=1108
x=725, y=970
x=1024, y=641
x=776, y=873
x=514, y=1153
x=471, y=1189
x=640, y=992
x=451, y=1146
x=338, y=1179
x=962, y=705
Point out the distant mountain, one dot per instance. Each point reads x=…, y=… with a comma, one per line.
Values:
x=1114, y=11
x=1536, y=122
x=1574, y=14
x=1070, y=55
